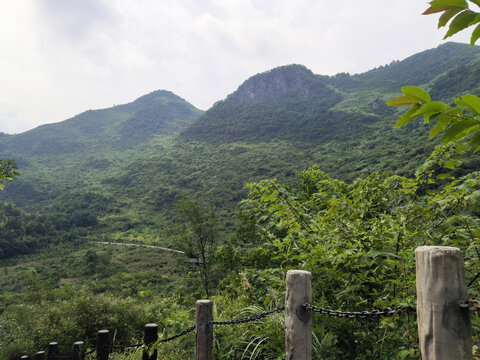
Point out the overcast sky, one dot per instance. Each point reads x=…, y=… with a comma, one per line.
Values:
x=59, y=58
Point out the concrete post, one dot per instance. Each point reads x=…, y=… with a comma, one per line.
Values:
x=204, y=330
x=444, y=328
x=298, y=320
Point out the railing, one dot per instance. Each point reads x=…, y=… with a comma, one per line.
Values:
x=443, y=313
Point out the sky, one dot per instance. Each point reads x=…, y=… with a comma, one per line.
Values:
x=59, y=58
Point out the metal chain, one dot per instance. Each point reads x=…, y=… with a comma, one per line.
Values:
x=185, y=332
x=125, y=346
x=475, y=305
x=88, y=352
x=352, y=314
x=247, y=319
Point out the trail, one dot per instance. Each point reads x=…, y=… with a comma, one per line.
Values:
x=139, y=245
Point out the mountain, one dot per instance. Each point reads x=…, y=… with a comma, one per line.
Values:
x=116, y=173
x=292, y=103
x=158, y=113
x=86, y=146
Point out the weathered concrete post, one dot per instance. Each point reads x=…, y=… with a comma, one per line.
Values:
x=298, y=320
x=204, y=330
x=444, y=327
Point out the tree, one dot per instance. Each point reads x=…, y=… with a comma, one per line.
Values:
x=358, y=239
x=8, y=171
x=460, y=122
x=201, y=232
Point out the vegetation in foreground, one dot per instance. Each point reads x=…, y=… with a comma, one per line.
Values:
x=356, y=238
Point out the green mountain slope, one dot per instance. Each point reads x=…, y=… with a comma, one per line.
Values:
x=75, y=153
x=116, y=173
x=292, y=103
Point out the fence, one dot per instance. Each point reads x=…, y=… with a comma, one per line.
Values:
x=443, y=314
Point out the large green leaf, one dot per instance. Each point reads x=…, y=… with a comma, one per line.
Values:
x=416, y=93
x=460, y=22
x=431, y=107
x=433, y=10
x=407, y=117
x=449, y=3
x=472, y=101
x=475, y=35
x=457, y=128
x=447, y=15
x=475, y=141
x=443, y=121
x=401, y=100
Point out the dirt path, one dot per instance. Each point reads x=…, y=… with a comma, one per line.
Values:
x=140, y=245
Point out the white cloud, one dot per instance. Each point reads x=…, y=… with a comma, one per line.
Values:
x=60, y=58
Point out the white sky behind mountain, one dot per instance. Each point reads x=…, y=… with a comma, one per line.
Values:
x=59, y=58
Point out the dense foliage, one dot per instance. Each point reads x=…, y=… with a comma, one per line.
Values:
x=351, y=224
x=8, y=171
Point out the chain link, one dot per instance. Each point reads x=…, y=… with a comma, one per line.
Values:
x=472, y=305
x=247, y=319
x=374, y=314
x=183, y=333
x=125, y=346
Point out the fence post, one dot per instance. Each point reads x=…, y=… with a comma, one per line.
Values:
x=52, y=351
x=149, y=337
x=78, y=350
x=40, y=355
x=103, y=343
x=204, y=330
x=444, y=327
x=298, y=320
x=25, y=357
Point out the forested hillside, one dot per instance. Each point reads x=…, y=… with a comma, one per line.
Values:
x=327, y=174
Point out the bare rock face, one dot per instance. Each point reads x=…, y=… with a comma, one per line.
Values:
x=275, y=83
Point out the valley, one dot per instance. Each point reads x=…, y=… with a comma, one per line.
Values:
x=291, y=170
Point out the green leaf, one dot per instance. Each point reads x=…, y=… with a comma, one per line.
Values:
x=460, y=22
x=407, y=117
x=447, y=15
x=445, y=176
x=416, y=93
x=431, y=107
x=457, y=129
x=472, y=101
x=433, y=10
x=401, y=100
x=443, y=121
x=449, y=3
x=475, y=35
x=475, y=141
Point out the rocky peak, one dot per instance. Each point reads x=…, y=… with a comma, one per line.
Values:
x=275, y=83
